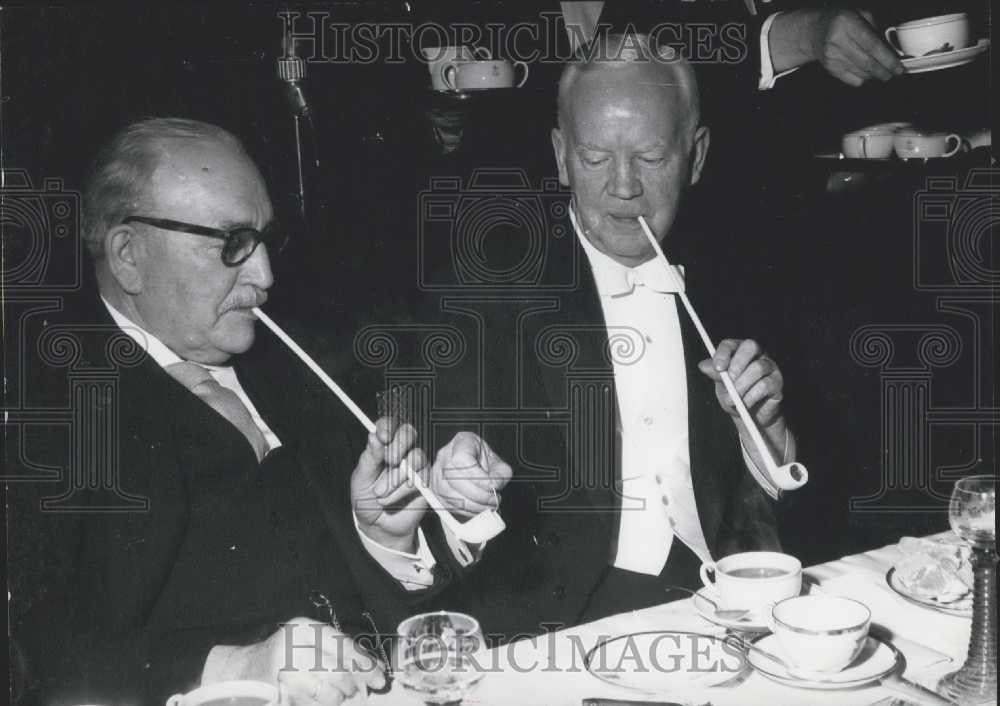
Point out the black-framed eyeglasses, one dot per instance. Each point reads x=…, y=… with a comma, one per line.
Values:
x=240, y=242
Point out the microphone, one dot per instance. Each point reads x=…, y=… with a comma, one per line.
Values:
x=292, y=71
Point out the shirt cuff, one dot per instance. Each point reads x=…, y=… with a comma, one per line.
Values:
x=763, y=478
x=767, y=77
x=413, y=571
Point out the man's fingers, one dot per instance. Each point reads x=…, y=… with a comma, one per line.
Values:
x=707, y=367
x=500, y=472
x=466, y=493
x=397, y=486
x=758, y=369
x=462, y=506
x=846, y=74
x=366, y=473
x=385, y=427
x=466, y=457
x=887, y=57
x=872, y=44
x=399, y=494
x=402, y=441
x=747, y=350
x=724, y=352
x=765, y=388
x=864, y=60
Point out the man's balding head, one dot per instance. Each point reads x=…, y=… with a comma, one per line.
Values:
x=629, y=59
x=628, y=142
x=166, y=278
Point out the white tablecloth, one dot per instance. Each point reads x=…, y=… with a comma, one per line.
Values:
x=549, y=671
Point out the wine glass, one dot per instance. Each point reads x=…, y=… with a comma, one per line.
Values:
x=972, y=514
x=440, y=656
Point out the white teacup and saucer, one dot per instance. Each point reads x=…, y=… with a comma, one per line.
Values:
x=933, y=43
x=750, y=581
x=822, y=642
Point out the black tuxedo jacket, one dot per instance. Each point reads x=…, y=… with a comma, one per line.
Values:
x=538, y=376
x=183, y=541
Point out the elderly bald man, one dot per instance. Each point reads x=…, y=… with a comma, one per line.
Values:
x=640, y=474
x=239, y=557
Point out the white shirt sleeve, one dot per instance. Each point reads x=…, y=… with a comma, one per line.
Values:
x=415, y=571
x=767, y=76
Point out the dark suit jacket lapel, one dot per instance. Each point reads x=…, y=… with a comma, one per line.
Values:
x=580, y=308
x=710, y=432
x=202, y=437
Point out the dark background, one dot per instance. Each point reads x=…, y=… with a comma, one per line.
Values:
x=830, y=247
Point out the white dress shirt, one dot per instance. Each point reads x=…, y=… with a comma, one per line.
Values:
x=644, y=337
x=658, y=502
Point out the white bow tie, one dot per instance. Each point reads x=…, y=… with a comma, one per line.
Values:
x=652, y=275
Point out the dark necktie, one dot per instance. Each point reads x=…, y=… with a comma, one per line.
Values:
x=223, y=400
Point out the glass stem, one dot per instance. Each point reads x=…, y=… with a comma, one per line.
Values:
x=976, y=681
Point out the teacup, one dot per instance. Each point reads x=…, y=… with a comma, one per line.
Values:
x=820, y=634
x=480, y=75
x=438, y=57
x=867, y=143
x=753, y=580
x=228, y=693
x=918, y=144
x=931, y=34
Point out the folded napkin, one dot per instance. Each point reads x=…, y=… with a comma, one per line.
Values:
x=930, y=632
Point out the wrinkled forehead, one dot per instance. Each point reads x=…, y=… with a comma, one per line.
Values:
x=207, y=176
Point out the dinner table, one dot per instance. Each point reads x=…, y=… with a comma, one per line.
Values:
x=550, y=670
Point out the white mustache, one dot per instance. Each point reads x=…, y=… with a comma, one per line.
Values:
x=246, y=299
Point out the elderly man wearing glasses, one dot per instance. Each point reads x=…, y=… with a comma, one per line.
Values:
x=239, y=557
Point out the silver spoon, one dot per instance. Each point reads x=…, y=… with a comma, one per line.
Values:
x=735, y=614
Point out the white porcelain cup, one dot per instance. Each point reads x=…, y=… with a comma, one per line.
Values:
x=481, y=75
x=867, y=144
x=918, y=144
x=438, y=57
x=931, y=34
x=871, y=142
x=228, y=693
x=752, y=580
x=820, y=634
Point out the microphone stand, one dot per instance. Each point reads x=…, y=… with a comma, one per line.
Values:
x=292, y=70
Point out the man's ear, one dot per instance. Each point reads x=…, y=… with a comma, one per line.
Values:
x=122, y=256
x=559, y=147
x=699, y=152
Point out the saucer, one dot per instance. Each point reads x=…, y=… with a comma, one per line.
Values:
x=664, y=661
x=946, y=59
x=748, y=623
x=961, y=608
x=876, y=660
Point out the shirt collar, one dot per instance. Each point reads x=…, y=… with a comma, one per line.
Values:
x=153, y=346
x=615, y=279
